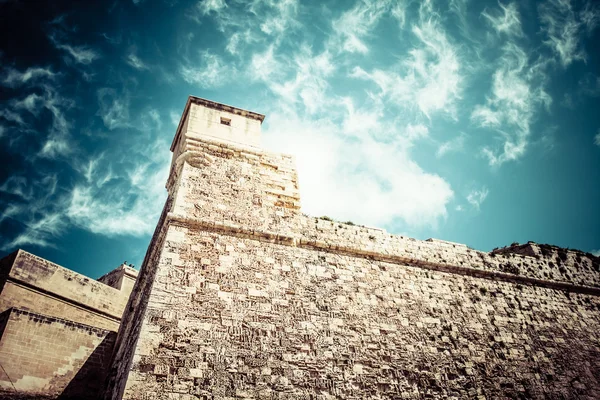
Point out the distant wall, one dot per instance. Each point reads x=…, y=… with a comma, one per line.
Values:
x=52, y=356
x=58, y=327
x=121, y=278
x=36, y=284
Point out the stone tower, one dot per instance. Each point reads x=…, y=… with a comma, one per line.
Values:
x=242, y=296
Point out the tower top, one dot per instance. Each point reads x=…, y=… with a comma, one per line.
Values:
x=220, y=121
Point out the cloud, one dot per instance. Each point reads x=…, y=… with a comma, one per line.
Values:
x=351, y=28
x=212, y=72
x=174, y=117
x=453, y=145
x=12, y=116
x=282, y=19
x=15, y=78
x=597, y=139
x=39, y=232
x=113, y=108
x=81, y=54
x=517, y=91
x=477, y=197
x=563, y=28
x=36, y=213
x=308, y=83
x=429, y=77
x=507, y=22
x=206, y=7
x=134, y=61
x=127, y=203
x=57, y=142
x=359, y=178
x=253, y=21
x=596, y=252
x=17, y=186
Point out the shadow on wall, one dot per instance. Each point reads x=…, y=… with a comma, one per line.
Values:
x=86, y=384
x=89, y=380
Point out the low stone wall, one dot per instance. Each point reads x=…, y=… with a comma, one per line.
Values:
x=52, y=356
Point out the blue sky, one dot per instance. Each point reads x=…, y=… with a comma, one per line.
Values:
x=470, y=121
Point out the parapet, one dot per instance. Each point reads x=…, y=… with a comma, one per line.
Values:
x=121, y=278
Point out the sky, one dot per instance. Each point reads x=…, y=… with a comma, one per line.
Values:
x=469, y=121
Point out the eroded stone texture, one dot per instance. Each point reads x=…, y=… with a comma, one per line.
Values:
x=242, y=296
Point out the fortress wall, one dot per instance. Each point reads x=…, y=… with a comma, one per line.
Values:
x=241, y=318
x=47, y=288
x=50, y=355
x=239, y=189
x=133, y=316
x=242, y=296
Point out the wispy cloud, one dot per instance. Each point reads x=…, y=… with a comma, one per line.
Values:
x=597, y=139
x=127, y=203
x=13, y=78
x=174, y=117
x=507, y=21
x=134, y=61
x=206, y=7
x=564, y=27
x=596, y=252
x=477, y=197
x=429, y=77
x=455, y=144
x=212, y=71
x=251, y=21
x=114, y=108
x=41, y=222
x=308, y=84
x=354, y=25
x=517, y=91
x=80, y=54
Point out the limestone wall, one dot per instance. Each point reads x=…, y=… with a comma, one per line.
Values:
x=240, y=189
x=52, y=356
x=235, y=317
x=41, y=286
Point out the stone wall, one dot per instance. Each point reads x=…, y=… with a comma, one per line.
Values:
x=59, y=327
x=235, y=317
x=243, y=296
x=121, y=278
x=52, y=356
x=38, y=285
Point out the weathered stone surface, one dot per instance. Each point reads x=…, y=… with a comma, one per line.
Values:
x=58, y=327
x=52, y=356
x=242, y=296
